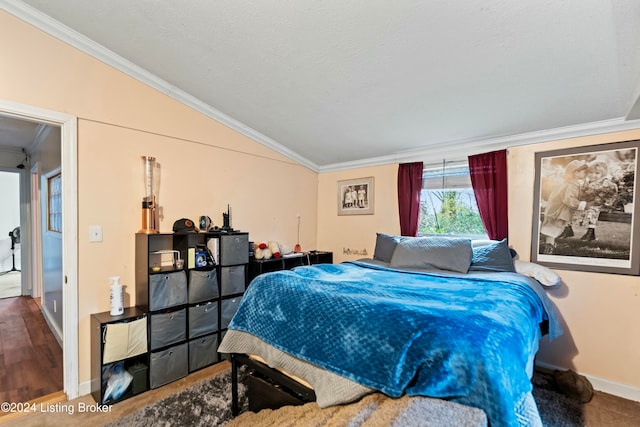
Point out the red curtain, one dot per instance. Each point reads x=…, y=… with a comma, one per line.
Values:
x=488, y=173
x=409, y=186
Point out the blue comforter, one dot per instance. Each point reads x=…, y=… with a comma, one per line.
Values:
x=466, y=338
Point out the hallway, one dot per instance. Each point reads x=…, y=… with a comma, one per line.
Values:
x=31, y=363
x=10, y=284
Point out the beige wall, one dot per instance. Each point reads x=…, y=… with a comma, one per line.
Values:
x=600, y=312
x=356, y=232
x=204, y=165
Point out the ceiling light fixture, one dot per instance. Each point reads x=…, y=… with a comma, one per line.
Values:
x=25, y=161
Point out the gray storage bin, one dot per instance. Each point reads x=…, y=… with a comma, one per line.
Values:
x=232, y=280
x=228, y=309
x=203, y=285
x=167, y=290
x=234, y=249
x=203, y=319
x=168, y=328
x=203, y=352
x=168, y=365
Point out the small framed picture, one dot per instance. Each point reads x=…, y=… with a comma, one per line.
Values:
x=356, y=196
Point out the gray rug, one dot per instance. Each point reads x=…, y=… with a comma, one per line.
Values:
x=208, y=404
x=556, y=409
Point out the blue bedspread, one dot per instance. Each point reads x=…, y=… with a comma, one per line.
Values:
x=466, y=338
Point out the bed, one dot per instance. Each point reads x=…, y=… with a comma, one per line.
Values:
x=437, y=317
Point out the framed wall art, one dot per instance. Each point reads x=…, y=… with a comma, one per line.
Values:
x=356, y=196
x=585, y=209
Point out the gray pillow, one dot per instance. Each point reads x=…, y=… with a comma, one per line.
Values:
x=385, y=246
x=444, y=253
x=493, y=257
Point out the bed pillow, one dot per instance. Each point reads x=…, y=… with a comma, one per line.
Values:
x=494, y=256
x=385, y=246
x=444, y=253
x=542, y=274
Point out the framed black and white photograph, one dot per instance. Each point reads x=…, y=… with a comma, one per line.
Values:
x=356, y=196
x=584, y=215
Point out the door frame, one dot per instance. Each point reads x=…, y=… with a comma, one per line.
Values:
x=69, y=161
x=36, y=231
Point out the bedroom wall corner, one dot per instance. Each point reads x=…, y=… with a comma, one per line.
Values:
x=204, y=165
x=599, y=311
x=356, y=232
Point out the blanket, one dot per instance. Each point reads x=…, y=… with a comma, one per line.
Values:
x=466, y=338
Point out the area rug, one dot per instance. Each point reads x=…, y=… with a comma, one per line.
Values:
x=208, y=404
x=374, y=410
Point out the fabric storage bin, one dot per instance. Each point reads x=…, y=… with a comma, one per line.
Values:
x=234, y=249
x=203, y=319
x=203, y=285
x=203, y=352
x=167, y=290
x=227, y=310
x=168, y=328
x=168, y=365
x=232, y=280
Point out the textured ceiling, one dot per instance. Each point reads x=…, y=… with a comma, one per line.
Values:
x=337, y=82
x=18, y=133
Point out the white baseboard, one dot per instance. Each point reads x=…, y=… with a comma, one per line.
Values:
x=604, y=385
x=57, y=333
x=84, y=388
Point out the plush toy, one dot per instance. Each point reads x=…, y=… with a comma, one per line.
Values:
x=261, y=251
x=270, y=249
x=274, y=247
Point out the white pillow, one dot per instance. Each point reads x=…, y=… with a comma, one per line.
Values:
x=542, y=274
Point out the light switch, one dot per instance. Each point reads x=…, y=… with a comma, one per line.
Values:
x=95, y=233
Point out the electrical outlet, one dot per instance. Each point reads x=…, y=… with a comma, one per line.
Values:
x=95, y=233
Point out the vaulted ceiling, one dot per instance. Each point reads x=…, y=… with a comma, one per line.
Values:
x=339, y=83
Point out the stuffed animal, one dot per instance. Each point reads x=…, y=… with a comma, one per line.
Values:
x=270, y=249
x=274, y=247
x=261, y=251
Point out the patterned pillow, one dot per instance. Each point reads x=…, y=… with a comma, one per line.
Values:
x=492, y=257
x=444, y=253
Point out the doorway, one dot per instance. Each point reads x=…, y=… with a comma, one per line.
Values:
x=68, y=166
x=10, y=275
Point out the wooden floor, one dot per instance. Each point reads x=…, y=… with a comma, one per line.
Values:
x=30, y=357
x=61, y=415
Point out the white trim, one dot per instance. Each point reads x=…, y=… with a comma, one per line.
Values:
x=447, y=149
x=25, y=232
x=36, y=231
x=57, y=333
x=85, y=388
x=604, y=385
x=68, y=134
x=452, y=150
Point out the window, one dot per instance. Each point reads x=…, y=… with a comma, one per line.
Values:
x=447, y=203
x=54, y=203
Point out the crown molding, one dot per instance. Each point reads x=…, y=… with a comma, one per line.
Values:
x=453, y=150
x=449, y=150
x=67, y=35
